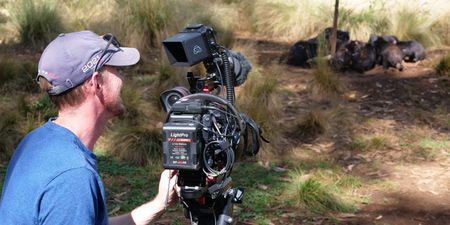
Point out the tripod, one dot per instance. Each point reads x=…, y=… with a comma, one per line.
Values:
x=204, y=213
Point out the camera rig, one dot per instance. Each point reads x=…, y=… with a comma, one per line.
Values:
x=203, y=131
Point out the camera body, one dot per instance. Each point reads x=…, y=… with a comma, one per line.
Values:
x=203, y=131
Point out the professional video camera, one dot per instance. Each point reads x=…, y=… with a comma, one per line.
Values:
x=203, y=131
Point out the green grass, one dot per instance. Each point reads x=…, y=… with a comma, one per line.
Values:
x=127, y=186
x=37, y=22
x=365, y=143
x=315, y=197
x=252, y=176
x=431, y=148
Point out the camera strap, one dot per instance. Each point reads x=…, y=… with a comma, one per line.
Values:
x=256, y=134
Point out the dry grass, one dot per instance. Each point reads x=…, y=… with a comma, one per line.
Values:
x=325, y=83
x=422, y=20
x=136, y=145
x=443, y=66
x=259, y=98
x=289, y=20
x=310, y=125
x=321, y=190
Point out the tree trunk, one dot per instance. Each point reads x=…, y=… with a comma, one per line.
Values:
x=334, y=32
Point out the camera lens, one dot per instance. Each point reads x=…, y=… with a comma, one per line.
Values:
x=172, y=98
x=169, y=97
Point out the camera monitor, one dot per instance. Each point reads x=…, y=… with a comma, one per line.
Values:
x=186, y=48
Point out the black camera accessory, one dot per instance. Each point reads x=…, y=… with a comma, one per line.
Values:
x=169, y=97
x=190, y=46
x=241, y=67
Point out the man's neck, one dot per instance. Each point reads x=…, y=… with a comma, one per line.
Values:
x=87, y=125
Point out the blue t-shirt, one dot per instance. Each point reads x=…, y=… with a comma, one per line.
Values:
x=52, y=179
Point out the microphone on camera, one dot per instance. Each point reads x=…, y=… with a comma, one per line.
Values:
x=241, y=67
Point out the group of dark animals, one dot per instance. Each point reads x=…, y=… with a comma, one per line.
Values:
x=359, y=56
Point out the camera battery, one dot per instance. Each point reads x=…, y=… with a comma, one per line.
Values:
x=181, y=145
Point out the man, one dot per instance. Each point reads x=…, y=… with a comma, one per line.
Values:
x=52, y=177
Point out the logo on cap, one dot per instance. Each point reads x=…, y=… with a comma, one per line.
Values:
x=90, y=64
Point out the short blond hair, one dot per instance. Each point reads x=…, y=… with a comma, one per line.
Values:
x=71, y=97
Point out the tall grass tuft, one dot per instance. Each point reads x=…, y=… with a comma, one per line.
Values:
x=443, y=67
x=309, y=193
x=290, y=20
x=325, y=82
x=149, y=19
x=310, y=125
x=37, y=22
x=136, y=145
x=134, y=137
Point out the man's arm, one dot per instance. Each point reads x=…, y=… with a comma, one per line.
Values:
x=151, y=211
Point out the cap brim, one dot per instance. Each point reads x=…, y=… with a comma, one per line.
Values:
x=124, y=57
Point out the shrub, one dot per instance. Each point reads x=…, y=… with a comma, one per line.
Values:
x=136, y=145
x=38, y=22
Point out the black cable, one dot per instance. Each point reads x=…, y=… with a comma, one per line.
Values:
x=229, y=80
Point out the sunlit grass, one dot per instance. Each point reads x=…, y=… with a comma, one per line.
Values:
x=37, y=22
x=431, y=148
x=370, y=142
x=321, y=190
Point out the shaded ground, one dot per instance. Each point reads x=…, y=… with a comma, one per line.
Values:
x=404, y=108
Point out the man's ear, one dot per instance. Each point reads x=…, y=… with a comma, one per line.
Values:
x=96, y=82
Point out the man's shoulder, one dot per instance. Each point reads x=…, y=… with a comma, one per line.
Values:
x=50, y=151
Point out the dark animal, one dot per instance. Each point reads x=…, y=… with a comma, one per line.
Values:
x=392, y=56
x=342, y=37
x=301, y=52
x=379, y=43
x=384, y=39
x=413, y=51
x=355, y=55
x=342, y=60
x=364, y=57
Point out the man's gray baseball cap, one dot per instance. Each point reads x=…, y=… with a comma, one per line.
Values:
x=72, y=58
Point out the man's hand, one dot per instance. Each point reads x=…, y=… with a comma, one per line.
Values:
x=151, y=211
x=166, y=192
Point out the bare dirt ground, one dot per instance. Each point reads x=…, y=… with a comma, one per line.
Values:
x=402, y=106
